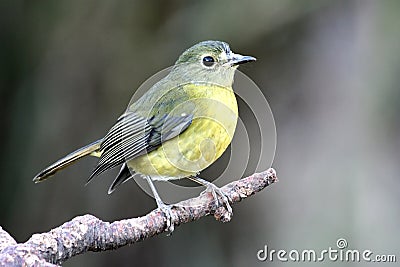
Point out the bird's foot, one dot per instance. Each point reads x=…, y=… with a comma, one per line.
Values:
x=167, y=210
x=216, y=191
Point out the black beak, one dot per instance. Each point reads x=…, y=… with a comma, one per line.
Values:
x=237, y=59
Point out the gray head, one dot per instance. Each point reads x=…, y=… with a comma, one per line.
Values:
x=208, y=61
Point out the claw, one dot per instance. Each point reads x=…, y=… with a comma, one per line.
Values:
x=215, y=191
x=167, y=210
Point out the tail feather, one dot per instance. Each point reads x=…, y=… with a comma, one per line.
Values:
x=90, y=149
x=124, y=175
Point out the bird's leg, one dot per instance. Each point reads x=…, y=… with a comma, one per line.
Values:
x=215, y=190
x=166, y=209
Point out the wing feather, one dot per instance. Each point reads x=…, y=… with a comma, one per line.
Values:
x=133, y=135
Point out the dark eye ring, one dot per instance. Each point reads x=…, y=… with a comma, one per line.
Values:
x=208, y=61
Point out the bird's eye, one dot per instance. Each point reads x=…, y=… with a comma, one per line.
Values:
x=208, y=61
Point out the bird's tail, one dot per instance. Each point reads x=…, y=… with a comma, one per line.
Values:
x=90, y=149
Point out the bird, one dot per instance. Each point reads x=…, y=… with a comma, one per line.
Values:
x=179, y=127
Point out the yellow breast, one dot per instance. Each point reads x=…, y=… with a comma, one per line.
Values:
x=202, y=143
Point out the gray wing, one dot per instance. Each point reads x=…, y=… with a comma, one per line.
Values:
x=134, y=135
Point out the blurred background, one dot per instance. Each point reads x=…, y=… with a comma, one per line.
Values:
x=329, y=69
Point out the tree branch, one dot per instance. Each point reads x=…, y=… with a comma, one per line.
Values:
x=88, y=233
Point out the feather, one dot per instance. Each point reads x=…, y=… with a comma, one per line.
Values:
x=133, y=136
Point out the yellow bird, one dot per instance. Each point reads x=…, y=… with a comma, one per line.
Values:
x=175, y=130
